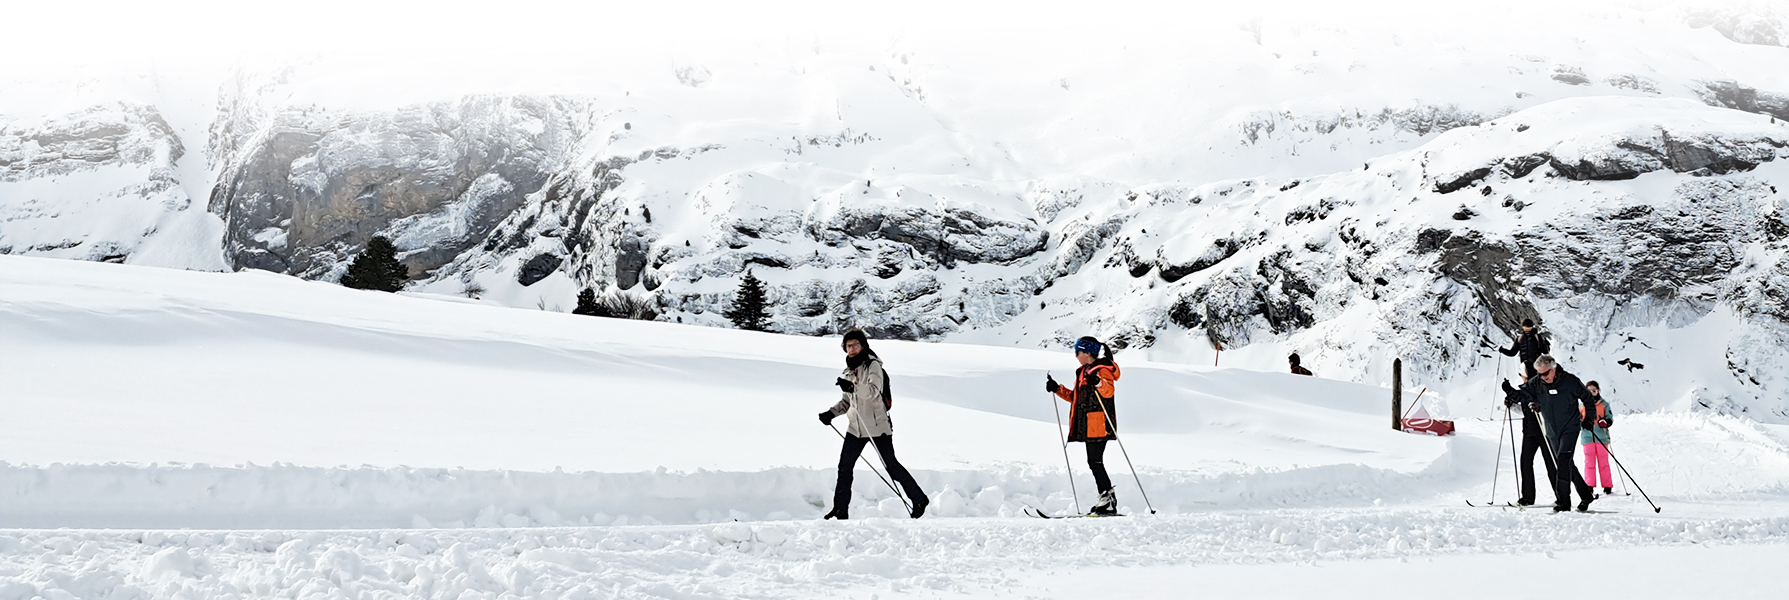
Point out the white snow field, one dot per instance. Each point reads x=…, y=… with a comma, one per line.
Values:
x=174, y=434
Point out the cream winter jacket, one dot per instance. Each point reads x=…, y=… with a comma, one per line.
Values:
x=863, y=405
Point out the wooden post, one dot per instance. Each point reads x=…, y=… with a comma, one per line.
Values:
x=1397, y=394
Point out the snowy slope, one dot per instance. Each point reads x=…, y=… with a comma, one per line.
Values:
x=429, y=448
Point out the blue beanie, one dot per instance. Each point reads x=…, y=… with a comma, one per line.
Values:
x=1089, y=345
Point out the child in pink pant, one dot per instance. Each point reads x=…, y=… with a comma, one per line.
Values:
x=1595, y=440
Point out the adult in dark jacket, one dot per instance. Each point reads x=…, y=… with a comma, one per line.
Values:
x=866, y=399
x=1093, y=418
x=1529, y=346
x=1560, y=401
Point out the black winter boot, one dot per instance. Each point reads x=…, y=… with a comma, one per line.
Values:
x=838, y=512
x=919, y=506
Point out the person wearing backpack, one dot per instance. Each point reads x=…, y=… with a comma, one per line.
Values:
x=1596, y=442
x=867, y=401
x=1092, y=418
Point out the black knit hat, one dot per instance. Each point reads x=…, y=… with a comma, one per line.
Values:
x=1527, y=322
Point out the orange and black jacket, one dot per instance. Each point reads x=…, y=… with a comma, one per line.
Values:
x=1093, y=417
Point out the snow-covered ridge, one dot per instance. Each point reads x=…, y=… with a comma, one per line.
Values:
x=1288, y=185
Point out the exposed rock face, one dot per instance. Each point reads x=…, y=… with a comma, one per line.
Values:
x=95, y=184
x=435, y=177
x=109, y=135
x=537, y=268
x=1761, y=24
x=1731, y=94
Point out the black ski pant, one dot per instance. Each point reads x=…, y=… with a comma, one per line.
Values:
x=1568, y=477
x=1532, y=440
x=841, y=495
x=1096, y=461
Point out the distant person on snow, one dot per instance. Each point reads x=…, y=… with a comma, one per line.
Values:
x=1596, y=453
x=1092, y=418
x=1296, y=369
x=867, y=400
x=1562, y=403
x=1529, y=346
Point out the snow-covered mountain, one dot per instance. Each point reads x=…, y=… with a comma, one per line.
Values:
x=1354, y=190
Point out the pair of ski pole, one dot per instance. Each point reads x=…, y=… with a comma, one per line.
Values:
x=879, y=475
x=1111, y=423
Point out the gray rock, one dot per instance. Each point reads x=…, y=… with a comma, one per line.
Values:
x=122, y=133
x=331, y=181
x=538, y=268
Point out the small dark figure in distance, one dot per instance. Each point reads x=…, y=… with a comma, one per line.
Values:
x=1296, y=368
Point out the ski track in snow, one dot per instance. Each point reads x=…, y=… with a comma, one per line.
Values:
x=791, y=559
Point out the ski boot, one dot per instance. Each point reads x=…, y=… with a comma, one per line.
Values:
x=838, y=512
x=1108, y=504
x=1608, y=491
x=1585, y=505
x=919, y=506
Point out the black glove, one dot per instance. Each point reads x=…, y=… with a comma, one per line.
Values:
x=1603, y=423
x=1092, y=379
x=1534, y=407
x=826, y=417
x=1050, y=384
x=1509, y=394
x=846, y=385
x=1587, y=423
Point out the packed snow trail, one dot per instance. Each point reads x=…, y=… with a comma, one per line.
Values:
x=946, y=557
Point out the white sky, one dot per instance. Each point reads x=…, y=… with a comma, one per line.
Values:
x=192, y=29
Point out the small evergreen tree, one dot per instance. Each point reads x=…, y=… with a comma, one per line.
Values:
x=377, y=268
x=747, y=311
x=587, y=305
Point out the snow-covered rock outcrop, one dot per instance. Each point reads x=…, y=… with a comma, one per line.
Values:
x=98, y=184
x=1349, y=193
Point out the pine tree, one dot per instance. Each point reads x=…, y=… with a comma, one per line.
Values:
x=587, y=305
x=377, y=268
x=747, y=311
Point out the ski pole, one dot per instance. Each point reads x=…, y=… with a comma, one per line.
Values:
x=1127, y=455
x=1552, y=461
x=1630, y=476
x=1062, y=437
x=1515, y=462
x=1497, y=460
x=891, y=486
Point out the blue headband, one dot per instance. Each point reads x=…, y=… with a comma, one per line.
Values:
x=1089, y=346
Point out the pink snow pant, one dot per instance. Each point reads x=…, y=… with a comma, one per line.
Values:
x=1596, y=465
